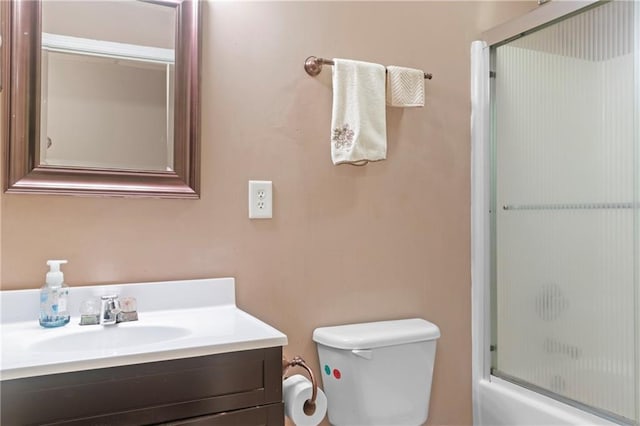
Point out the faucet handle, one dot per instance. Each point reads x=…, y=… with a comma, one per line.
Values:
x=129, y=309
x=90, y=311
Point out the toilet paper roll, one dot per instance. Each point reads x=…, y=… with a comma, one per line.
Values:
x=296, y=390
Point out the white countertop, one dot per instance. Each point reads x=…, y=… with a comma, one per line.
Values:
x=200, y=315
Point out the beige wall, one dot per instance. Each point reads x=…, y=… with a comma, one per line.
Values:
x=110, y=20
x=346, y=244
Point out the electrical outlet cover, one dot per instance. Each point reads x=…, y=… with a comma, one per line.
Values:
x=260, y=199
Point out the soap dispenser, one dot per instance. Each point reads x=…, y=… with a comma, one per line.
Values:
x=53, y=297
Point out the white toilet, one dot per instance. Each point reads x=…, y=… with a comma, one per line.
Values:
x=378, y=373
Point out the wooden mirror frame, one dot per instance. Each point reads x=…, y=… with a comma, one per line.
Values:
x=21, y=26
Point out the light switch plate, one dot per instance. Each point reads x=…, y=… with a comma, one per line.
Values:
x=260, y=199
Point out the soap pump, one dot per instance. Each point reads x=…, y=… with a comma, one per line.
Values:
x=53, y=297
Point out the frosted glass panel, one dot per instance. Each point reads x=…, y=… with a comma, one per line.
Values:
x=567, y=216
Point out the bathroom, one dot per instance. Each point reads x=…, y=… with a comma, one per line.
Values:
x=346, y=244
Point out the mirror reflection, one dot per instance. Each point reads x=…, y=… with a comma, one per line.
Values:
x=106, y=86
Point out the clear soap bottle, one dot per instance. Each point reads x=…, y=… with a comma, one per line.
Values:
x=53, y=297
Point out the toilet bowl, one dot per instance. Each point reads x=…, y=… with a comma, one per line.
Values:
x=377, y=373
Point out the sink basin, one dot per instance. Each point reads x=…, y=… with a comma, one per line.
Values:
x=177, y=319
x=109, y=337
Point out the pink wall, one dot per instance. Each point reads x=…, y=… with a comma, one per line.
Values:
x=346, y=244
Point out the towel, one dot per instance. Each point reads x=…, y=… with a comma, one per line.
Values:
x=358, y=122
x=405, y=87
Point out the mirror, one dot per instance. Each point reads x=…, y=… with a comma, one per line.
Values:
x=93, y=111
x=106, y=87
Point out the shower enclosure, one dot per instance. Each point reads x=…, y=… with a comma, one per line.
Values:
x=556, y=208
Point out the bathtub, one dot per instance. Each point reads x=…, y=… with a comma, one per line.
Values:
x=497, y=402
x=501, y=403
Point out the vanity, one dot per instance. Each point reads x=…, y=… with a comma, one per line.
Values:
x=192, y=358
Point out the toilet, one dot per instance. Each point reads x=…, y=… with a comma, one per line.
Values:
x=377, y=373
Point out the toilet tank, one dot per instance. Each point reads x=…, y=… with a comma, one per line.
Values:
x=377, y=373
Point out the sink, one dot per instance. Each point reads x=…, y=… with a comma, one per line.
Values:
x=109, y=337
x=177, y=319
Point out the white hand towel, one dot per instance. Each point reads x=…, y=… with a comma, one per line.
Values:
x=405, y=87
x=358, y=123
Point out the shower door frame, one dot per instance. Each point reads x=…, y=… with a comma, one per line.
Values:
x=497, y=401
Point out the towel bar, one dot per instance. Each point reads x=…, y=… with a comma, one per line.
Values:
x=313, y=66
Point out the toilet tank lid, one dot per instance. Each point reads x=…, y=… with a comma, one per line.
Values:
x=376, y=334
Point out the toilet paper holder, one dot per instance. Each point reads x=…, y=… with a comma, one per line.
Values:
x=310, y=404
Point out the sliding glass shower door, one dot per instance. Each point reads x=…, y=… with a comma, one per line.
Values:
x=566, y=210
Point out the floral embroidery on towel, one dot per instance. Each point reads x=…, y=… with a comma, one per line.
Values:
x=343, y=137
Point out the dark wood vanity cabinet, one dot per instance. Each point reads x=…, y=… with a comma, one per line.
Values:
x=237, y=388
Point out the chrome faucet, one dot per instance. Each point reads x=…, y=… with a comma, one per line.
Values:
x=109, y=309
